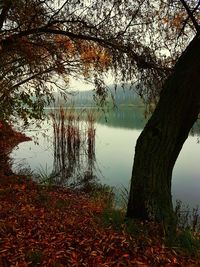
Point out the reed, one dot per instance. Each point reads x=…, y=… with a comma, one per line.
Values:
x=91, y=133
x=74, y=143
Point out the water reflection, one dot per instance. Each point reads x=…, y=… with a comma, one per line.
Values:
x=127, y=118
x=74, y=147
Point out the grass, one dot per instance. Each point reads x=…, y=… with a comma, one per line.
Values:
x=103, y=195
x=113, y=217
x=185, y=241
x=187, y=218
x=187, y=237
x=44, y=177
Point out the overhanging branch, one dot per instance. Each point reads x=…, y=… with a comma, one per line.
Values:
x=140, y=60
x=191, y=16
x=4, y=12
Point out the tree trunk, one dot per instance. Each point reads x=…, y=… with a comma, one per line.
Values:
x=160, y=142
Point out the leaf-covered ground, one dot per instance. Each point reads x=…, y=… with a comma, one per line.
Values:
x=49, y=226
x=42, y=226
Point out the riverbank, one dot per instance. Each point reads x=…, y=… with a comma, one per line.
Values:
x=54, y=226
x=9, y=138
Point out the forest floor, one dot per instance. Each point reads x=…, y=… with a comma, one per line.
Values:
x=55, y=226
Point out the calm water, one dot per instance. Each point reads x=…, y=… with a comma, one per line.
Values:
x=115, y=142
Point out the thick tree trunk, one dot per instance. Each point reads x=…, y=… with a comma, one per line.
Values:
x=160, y=142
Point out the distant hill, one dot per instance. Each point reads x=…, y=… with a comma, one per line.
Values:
x=120, y=96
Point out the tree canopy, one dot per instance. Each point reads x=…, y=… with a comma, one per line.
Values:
x=44, y=42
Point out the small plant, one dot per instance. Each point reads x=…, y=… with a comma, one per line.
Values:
x=188, y=225
x=104, y=195
x=23, y=170
x=187, y=218
x=123, y=198
x=44, y=178
x=185, y=240
x=62, y=203
x=114, y=217
x=35, y=257
x=43, y=197
x=132, y=227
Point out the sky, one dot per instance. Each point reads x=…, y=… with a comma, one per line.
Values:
x=81, y=85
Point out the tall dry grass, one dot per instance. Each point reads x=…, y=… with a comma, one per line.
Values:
x=74, y=143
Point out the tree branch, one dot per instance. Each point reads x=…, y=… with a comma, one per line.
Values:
x=124, y=48
x=32, y=77
x=186, y=21
x=191, y=16
x=4, y=13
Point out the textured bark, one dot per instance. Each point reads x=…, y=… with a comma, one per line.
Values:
x=159, y=144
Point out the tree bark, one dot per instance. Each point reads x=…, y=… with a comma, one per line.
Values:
x=160, y=142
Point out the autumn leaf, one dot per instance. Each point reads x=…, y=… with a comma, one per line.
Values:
x=73, y=236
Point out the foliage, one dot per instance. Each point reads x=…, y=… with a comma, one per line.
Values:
x=40, y=49
x=8, y=139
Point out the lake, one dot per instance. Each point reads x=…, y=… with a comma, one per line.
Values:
x=116, y=135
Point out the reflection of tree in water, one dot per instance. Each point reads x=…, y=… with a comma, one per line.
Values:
x=74, y=147
x=195, y=131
